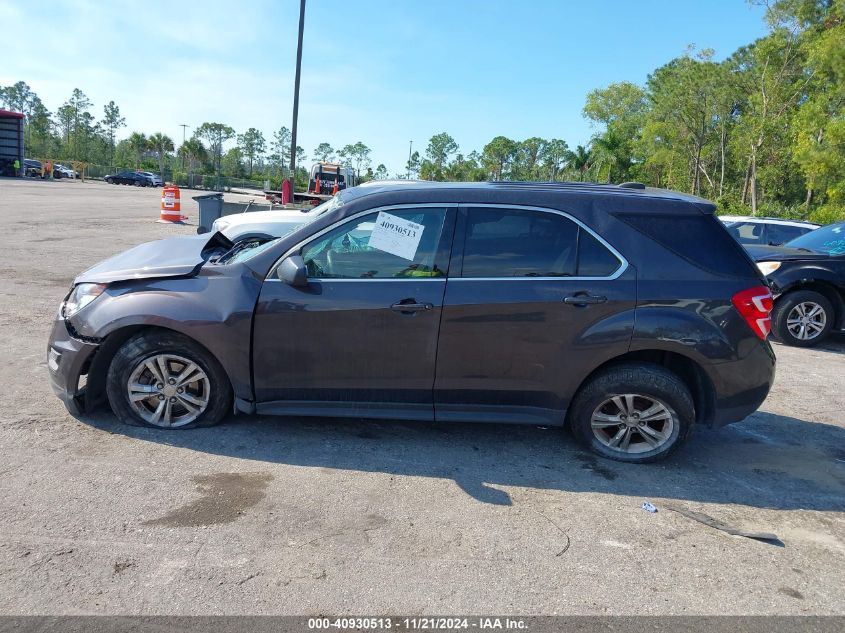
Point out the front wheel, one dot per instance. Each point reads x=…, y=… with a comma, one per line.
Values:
x=803, y=318
x=633, y=413
x=110, y=181
x=167, y=381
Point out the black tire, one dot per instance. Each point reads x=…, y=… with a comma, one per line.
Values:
x=789, y=302
x=649, y=383
x=110, y=181
x=148, y=345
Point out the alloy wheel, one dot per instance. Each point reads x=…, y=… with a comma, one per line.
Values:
x=806, y=320
x=168, y=390
x=633, y=423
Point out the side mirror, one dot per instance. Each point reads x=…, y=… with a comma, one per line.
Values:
x=292, y=271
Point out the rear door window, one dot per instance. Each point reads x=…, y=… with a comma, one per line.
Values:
x=528, y=243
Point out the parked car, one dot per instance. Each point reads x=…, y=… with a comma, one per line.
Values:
x=263, y=225
x=32, y=167
x=67, y=172
x=154, y=180
x=807, y=277
x=626, y=313
x=761, y=231
x=62, y=171
x=127, y=178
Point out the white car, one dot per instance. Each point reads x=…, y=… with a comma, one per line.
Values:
x=267, y=225
x=762, y=231
x=66, y=172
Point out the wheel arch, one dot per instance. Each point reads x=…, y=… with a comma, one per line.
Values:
x=98, y=367
x=824, y=288
x=689, y=371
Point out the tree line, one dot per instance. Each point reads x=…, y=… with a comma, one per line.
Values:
x=761, y=132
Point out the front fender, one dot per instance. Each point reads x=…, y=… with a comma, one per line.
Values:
x=213, y=309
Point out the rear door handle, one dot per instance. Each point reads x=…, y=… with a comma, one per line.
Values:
x=411, y=307
x=584, y=299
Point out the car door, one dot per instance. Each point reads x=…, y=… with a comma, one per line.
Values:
x=361, y=338
x=534, y=300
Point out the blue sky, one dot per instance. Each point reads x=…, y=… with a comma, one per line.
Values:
x=382, y=72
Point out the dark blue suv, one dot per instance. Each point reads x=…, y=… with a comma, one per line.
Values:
x=627, y=313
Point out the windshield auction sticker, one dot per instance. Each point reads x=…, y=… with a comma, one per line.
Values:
x=396, y=236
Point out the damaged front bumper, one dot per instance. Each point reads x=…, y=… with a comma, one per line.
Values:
x=68, y=361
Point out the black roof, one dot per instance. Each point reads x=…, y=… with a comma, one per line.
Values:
x=627, y=190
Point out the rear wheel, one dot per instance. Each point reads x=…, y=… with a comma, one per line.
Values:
x=633, y=413
x=802, y=318
x=110, y=181
x=166, y=380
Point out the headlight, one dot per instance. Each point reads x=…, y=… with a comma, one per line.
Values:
x=81, y=296
x=767, y=268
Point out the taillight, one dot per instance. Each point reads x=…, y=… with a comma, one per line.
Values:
x=755, y=306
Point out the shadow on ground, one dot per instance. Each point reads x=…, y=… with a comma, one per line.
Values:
x=834, y=344
x=767, y=461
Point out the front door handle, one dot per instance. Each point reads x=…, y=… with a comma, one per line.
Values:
x=584, y=299
x=409, y=306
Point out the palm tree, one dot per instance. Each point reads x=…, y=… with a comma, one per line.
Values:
x=579, y=161
x=193, y=152
x=161, y=145
x=139, y=145
x=608, y=150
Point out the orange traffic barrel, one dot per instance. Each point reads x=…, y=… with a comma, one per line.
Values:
x=171, y=206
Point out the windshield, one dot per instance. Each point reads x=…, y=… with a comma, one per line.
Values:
x=829, y=240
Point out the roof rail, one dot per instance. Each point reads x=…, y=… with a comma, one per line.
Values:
x=631, y=185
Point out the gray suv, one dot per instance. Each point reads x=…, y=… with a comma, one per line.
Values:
x=627, y=313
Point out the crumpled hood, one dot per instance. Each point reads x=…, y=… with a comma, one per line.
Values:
x=780, y=254
x=173, y=257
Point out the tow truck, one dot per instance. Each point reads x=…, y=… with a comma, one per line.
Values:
x=324, y=181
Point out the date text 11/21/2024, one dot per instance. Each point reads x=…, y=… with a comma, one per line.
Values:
x=418, y=623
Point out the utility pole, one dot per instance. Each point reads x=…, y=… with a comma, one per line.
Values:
x=410, y=149
x=184, y=126
x=291, y=176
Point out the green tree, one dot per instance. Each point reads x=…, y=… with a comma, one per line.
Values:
x=528, y=159
x=440, y=148
x=252, y=145
x=356, y=154
x=17, y=97
x=112, y=121
x=412, y=166
x=619, y=109
x=280, y=149
x=232, y=163
x=138, y=146
x=214, y=135
x=497, y=156
x=554, y=156
x=381, y=172
x=161, y=145
x=193, y=153
x=79, y=124
x=819, y=145
x=324, y=153
x=578, y=161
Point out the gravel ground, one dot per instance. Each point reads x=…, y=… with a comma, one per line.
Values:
x=308, y=516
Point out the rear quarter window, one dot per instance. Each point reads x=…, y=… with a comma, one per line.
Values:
x=700, y=239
